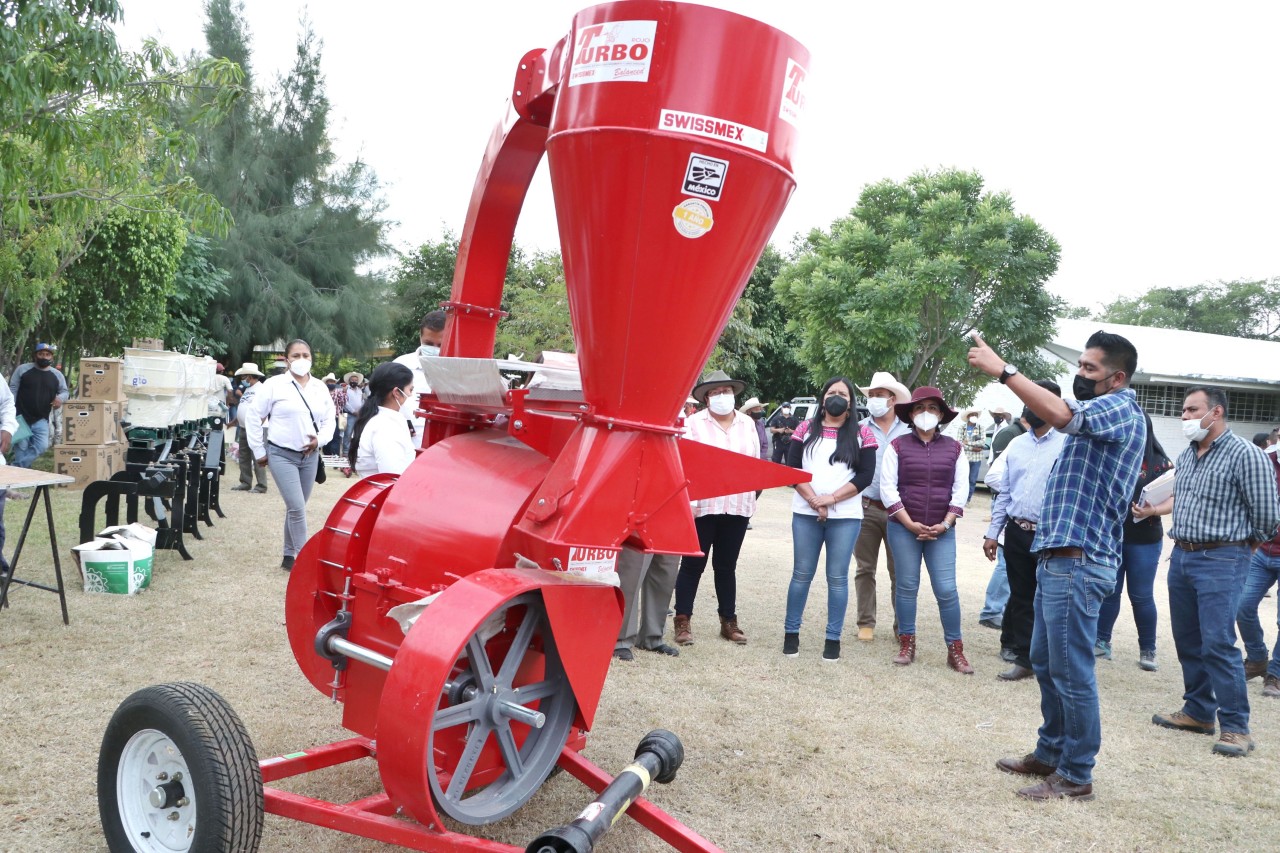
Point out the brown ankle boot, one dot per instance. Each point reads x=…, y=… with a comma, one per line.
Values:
x=956, y=659
x=730, y=631
x=684, y=634
x=906, y=650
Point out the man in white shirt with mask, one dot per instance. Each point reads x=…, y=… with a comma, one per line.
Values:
x=430, y=339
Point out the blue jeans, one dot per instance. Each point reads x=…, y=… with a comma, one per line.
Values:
x=1264, y=573
x=997, y=591
x=1139, y=562
x=808, y=535
x=1069, y=594
x=939, y=556
x=1204, y=594
x=974, y=467
x=26, y=451
x=348, y=430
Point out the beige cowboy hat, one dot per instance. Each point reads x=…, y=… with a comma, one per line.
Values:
x=715, y=379
x=329, y=377
x=753, y=403
x=357, y=374
x=249, y=369
x=885, y=380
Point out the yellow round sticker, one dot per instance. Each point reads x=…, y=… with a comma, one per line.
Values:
x=692, y=218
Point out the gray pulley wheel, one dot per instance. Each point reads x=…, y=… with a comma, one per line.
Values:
x=177, y=773
x=519, y=703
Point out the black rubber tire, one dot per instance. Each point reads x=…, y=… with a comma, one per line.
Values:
x=225, y=774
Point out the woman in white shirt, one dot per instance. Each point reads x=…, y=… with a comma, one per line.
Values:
x=380, y=442
x=840, y=454
x=302, y=421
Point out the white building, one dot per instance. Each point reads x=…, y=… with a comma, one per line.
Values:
x=1170, y=362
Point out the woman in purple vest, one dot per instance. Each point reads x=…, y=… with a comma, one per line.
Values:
x=924, y=481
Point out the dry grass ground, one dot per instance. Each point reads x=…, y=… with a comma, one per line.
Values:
x=782, y=754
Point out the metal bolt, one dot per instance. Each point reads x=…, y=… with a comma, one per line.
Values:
x=182, y=802
x=162, y=776
x=518, y=424
x=174, y=816
x=177, y=777
x=542, y=501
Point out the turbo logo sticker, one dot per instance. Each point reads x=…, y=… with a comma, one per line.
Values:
x=692, y=218
x=793, y=98
x=615, y=51
x=705, y=176
x=714, y=128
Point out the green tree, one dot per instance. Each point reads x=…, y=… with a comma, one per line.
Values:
x=915, y=267
x=1242, y=309
x=420, y=282
x=86, y=128
x=756, y=345
x=537, y=304
x=120, y=287
x=305, y=224
x=196, y=284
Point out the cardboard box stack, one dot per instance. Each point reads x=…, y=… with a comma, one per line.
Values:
x=94, y=443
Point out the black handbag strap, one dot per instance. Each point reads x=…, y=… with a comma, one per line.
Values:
x=314, y=426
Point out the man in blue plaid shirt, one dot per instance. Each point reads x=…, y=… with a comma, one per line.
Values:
x=1078, y=542
x=1224, y=506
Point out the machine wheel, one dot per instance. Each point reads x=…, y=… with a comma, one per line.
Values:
x=486, y=706
x=178, y=772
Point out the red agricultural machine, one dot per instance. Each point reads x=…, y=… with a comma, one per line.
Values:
x=669, y=130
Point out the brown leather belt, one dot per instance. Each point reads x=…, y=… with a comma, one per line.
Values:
x=1073, y=553
x=875, y=503
x=1206, y=546
x=1029, y=526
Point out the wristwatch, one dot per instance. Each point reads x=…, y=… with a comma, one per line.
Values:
x=1009, y=371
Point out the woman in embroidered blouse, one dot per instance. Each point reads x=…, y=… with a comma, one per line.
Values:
x=924, y=482
x=840, y=454
x=300, y=412
x=380, y=440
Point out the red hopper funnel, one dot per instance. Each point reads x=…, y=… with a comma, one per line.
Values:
x=670, y=157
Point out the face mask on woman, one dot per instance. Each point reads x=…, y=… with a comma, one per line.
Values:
x=720, y=404
x=835, y=405
x=925, y=421
x=300, y=367
x=878, y=407
x=408, y=405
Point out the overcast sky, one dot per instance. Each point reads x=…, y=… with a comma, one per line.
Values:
x=1141, y=135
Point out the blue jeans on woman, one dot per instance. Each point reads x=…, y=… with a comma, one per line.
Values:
x=939, y=555
x=1264, y=572
x=1139, y=562
x=808, y=535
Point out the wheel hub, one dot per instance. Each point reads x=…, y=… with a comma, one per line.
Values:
x=155, y=810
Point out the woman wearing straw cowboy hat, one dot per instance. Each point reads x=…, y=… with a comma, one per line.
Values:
x=923, y=484
x=721, y=521
x=251, y=377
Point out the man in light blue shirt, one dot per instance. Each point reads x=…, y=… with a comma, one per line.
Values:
x=1015, y=514
x=1028, y=463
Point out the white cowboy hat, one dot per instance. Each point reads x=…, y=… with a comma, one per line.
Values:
x=250, y=369
x=753, y=403
x=885, y=380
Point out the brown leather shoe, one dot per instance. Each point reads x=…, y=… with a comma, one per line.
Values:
x=1183, y=723
x=683, y=633
x=730, y=631
x=956, y=659
x=1015, y=673
x=1255, y=669
x=1057, y=788
x=906, y=649
x=1027, y=765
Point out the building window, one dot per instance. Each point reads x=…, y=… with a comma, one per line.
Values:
x=1242, y=406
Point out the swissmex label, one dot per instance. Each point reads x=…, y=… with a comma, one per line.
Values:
x=711, y=127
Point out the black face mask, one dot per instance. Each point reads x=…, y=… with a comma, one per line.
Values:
x=44, y=362
x=1032, y=418
x=757, y=415
x=1085, y=388
x=835, y=406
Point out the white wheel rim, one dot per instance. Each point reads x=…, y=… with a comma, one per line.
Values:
x=150, y=759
